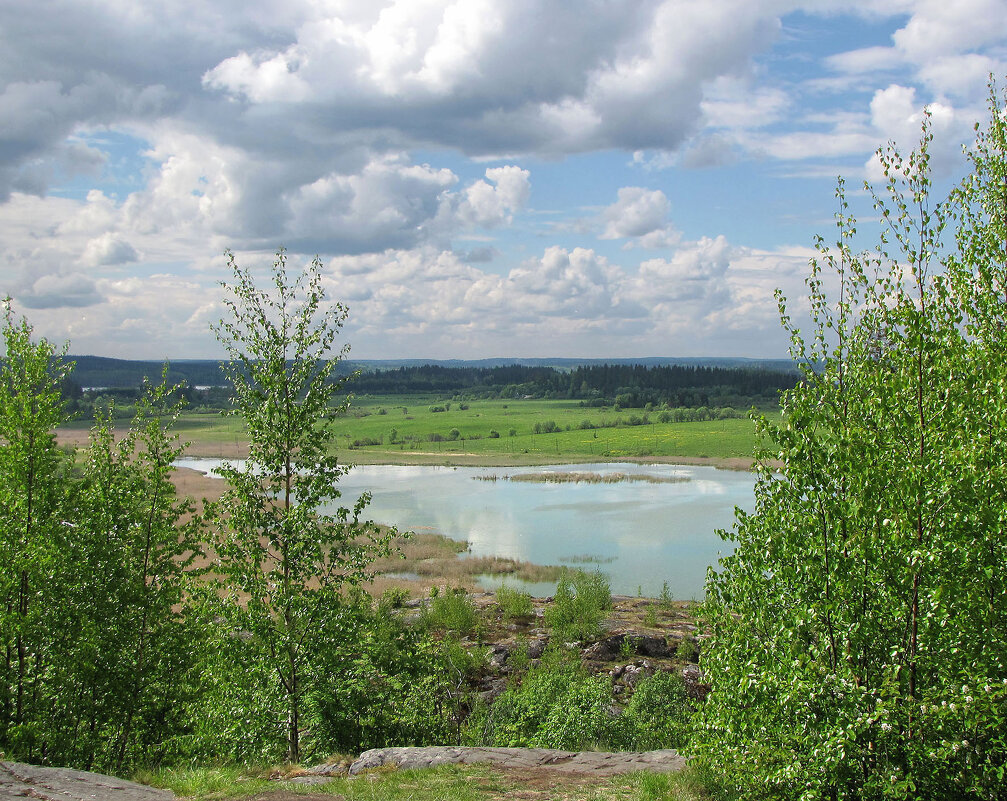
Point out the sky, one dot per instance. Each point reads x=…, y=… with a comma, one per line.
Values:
x=480, y=178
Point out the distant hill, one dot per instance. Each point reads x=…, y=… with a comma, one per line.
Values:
x=100, y=371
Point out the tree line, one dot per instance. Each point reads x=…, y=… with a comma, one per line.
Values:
x=631, y=386
x=204, y=386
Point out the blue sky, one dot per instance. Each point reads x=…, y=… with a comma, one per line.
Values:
x=480, y=177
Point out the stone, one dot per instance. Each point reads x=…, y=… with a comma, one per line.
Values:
x=20, y=781
x=598, y=763
x=695, y=687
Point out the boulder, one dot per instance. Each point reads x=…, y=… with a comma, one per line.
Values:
x=598, y=763
x=19, y=781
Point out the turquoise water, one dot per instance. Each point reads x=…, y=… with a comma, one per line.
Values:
x=639, y=534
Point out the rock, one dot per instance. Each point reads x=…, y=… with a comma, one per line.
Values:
x=498, y=656
x=695, y=687
x=327, y=769
x=19, y=781
x=536, y=648
x=633, y=674
x=611, y=648
x=490, y=688
x=309, y=780
x=655, y=647
x=598, y=763
x=606, y=650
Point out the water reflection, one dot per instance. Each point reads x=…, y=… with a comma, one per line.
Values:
x=644, y=533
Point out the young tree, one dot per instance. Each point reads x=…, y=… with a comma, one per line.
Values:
x=282, y=549
x=857, y=646
x=32, y=497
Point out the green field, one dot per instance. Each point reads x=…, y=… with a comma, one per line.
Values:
x=406, y=428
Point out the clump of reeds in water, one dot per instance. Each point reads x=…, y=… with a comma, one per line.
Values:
x=585, y=478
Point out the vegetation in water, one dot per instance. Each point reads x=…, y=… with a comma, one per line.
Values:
x=559, y=477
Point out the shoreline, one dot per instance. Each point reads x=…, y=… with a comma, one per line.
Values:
x=239, y=450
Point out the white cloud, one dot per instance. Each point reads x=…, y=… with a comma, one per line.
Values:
x=491, y=203
x=107, y=249
x=939, y=28
x=638, y=211
x=865, y=60
x=641, y=215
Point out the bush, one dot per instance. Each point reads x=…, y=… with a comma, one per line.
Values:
x=576, y=611
x=557, y=705
x=516, y=605
x=659, y=714
x=388, y=685
x=394, y=598
x=452, y=611
x=857, y=631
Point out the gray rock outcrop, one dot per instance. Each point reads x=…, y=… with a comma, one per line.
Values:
x=20, y=781
x=598, y=763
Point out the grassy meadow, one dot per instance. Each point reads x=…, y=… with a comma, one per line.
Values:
x=417, y=429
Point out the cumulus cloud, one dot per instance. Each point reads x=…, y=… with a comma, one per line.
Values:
x=490, y=203
x=492, y=77
x=60, y=291
x=108, y=249
x=642, y=215
x=301, y=123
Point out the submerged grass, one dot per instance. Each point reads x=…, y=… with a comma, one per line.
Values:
x=584, y=478
x=439, y=559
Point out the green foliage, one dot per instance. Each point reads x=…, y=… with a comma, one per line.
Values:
x=94, y=555
x=658, y=715
x=858, y=632
x=394, y=598
x=284, y=548
x=687, y=650
x=452, y=611
x=556, y=705
x=382, y=683
x=578, y=606
x=516, y=604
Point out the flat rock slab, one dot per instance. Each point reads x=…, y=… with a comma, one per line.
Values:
x=598, y=763
x=19, y=781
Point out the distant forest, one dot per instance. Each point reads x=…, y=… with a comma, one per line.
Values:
x=98, y=380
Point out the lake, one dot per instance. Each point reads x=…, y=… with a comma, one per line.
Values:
x=641, y=534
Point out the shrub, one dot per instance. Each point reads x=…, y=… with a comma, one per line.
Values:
x=394, y=598
x=556, y=705
x=658, y=715
x=516, y=605
x=451, y=611
x=577, y=607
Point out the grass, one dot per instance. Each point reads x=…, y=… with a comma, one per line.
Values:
x=444, y=783
x=433, y=558
x=404, y=429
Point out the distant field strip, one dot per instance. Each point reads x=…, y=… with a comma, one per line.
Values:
x=409, y=429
